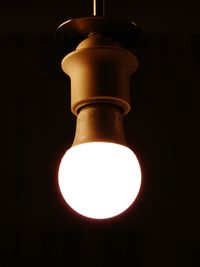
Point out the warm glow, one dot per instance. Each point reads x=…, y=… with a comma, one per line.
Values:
x=98, y=179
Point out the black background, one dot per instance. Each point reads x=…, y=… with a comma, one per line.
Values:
x=162, y=227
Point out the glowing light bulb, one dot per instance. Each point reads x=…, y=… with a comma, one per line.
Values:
x=99, y=176
x=99, y=179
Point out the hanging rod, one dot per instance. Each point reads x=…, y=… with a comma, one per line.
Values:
x=98, y=7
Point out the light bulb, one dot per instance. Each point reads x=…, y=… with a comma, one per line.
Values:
x=99, y=179
x=99, y=176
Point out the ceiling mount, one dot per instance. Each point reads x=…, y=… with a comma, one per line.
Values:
x=72, y=32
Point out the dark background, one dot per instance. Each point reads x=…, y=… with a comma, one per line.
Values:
x=162, y=227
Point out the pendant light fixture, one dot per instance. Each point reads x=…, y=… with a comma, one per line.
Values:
x=99, y=176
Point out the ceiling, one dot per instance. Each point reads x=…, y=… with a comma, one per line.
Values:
x=87, y=4
x=162, y=227
x=152, y=16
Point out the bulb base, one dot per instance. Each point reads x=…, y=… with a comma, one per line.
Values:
x=99, y=122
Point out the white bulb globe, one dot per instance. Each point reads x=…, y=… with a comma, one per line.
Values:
x=98, y=179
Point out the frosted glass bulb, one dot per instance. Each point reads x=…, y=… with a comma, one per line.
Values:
x=99, y=179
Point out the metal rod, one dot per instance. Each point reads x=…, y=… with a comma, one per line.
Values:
x=98, y=7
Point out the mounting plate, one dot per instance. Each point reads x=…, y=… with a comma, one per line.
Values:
x=70, y=33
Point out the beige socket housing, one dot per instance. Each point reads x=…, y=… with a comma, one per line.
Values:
x=100, y=71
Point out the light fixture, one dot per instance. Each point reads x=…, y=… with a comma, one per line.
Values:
x=99, y=176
